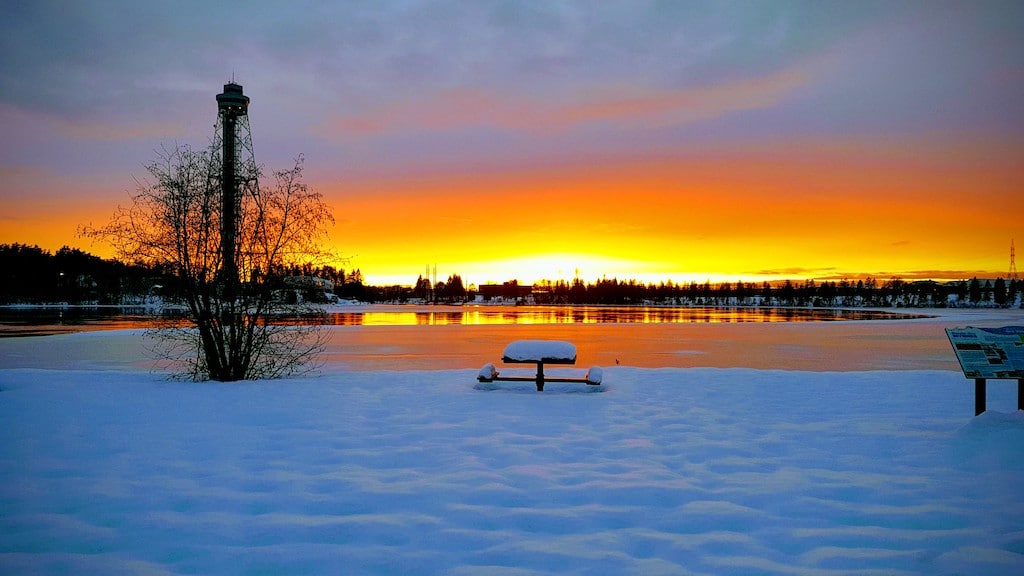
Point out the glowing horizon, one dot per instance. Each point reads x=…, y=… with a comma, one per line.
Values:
x=908, y=208
x=484, y=273
x=750, y=214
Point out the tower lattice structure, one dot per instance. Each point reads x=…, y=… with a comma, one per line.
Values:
x=1013, y=263
x=232, y=142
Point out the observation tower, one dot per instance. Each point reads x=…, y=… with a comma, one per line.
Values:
x=238, y=171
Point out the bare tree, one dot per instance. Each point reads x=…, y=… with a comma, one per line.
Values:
x=238, y=327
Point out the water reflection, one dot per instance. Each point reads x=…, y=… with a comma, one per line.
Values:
x=51, y=320
x=44, y=320
x=527, y=315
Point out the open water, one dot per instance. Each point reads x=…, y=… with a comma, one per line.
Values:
x=43, y=320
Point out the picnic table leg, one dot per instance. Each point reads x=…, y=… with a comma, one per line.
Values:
x=540, y=376
x=979, y=396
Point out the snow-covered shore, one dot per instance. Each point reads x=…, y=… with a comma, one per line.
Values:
x=107, y=468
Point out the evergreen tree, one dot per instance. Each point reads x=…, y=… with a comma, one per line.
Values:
x=999, y=292
x=456, y=292
x=974, y=291
x=766, y=293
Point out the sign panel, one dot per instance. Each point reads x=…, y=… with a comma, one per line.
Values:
x=989, y=352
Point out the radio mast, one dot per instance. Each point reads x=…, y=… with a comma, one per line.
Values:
x=1013, y=262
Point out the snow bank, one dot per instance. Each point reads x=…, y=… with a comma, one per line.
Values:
x=668, y=471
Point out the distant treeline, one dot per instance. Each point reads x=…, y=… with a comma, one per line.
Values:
x=31, y=275
x=849, y=293
x=842, y=293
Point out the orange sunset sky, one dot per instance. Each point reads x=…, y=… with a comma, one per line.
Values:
x=545, y=140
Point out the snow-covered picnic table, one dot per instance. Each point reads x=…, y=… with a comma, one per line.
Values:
x=539, y=352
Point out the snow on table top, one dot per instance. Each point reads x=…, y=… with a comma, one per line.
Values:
x=554, y=351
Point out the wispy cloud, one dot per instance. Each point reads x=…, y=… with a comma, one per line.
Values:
x=834, y=274
x=33, y=124
x=797, y=272
x=456, y=109
x=108, y=131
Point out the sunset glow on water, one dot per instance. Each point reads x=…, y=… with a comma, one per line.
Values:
x=440, y=338
x=55, y=319
x=528, y=315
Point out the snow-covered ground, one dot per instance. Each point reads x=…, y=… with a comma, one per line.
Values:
x=108, y=468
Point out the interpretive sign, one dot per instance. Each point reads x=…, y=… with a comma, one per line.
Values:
x=990, y=353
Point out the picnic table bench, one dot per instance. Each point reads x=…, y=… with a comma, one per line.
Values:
x=539, y=352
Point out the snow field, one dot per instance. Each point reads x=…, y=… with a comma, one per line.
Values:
x=658, y=471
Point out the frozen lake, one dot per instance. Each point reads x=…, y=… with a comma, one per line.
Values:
x=905, y=344
x=430, y=338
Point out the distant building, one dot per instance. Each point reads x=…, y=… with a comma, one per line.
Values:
x=300, y=289
x=507, y=291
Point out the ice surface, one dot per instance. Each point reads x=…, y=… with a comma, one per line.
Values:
x=546, y=350
x=666, y=471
